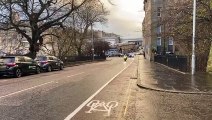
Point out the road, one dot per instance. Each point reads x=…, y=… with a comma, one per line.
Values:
x=129, y=102
x=98, y=91
x=53, y=96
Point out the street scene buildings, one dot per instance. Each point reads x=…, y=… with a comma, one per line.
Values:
x=105, y=60
x=163, y=34
x=155, y=37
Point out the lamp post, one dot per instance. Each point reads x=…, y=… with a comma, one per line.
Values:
x=193, y=40
x=92, y=49
x=164, y=41
x=164, y=30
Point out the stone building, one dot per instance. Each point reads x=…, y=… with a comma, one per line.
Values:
x=156, y=38
x=112, y=38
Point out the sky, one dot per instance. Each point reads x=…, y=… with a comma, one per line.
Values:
x=125, y=18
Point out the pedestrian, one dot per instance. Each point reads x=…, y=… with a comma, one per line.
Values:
x=125, y=57
x=144, y=55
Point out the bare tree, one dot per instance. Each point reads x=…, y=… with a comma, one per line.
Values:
x=111, y=2
x=32, y=18
x=86, y=16
x=11, y=42
x=76, y=35
x=100, y=47
x=61, y=44
x=179, y=21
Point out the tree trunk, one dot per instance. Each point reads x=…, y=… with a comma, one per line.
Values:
x=202, y=61
x=34, y=45
x=33, y=51
x=202, y=55
x=79, y=51
x=31, y=55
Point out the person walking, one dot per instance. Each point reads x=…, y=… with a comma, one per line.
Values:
x=125, y=57
x=144, y=54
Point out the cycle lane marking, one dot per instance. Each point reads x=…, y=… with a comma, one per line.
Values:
x=71, y=115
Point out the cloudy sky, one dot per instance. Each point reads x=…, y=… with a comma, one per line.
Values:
x=125, y=18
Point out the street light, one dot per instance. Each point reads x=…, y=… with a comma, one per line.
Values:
x=193, y=40
x=164, y=30
x=92, y=42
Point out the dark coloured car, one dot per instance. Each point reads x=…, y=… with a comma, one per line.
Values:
x=48, y=63
x=120, y=54
x=131, y=55
x=17, y=66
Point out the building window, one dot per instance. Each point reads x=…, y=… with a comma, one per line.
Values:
x=171, y=41
x=159, y=11
x=159, y=45
x=170, y=44
x=159, y=29
x=159, y=41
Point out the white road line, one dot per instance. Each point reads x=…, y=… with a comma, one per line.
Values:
x=75, y=74
x=26, y=89
x=92, y=96
x=34, y=87
x=128, y=97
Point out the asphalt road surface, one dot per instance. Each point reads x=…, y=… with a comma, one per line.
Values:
x=122, y=99
x=55, y=95
x=97, y=91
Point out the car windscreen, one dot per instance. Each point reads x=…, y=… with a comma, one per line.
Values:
x=7, y=60
x=41, y=58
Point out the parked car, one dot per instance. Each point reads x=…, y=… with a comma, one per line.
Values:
x=49, y=63
x=131, y=55
x=120, y=54
x=18, y=65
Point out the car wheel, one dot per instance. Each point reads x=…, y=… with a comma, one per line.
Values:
x=18, y=73
x=38, y=70
x=61, y=67
x=49, y=69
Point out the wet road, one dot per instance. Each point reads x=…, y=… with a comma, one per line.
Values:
x=62, y=95
x=129, y=102
x=53, y=96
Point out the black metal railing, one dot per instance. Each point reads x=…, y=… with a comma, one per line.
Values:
x=173, y=61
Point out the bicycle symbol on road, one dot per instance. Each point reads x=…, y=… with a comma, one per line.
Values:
x=96, y=105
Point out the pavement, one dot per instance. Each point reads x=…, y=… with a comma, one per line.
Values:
x=157, y=77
